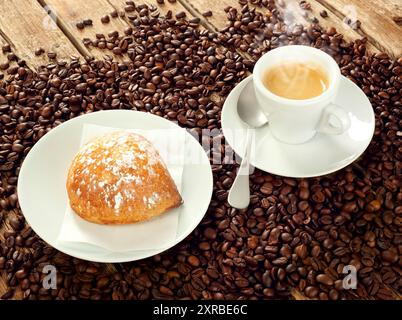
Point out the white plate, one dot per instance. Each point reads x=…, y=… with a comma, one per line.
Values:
x=321, y=155
x=43, y=197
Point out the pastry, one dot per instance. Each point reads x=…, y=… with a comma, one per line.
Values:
x=120, y=178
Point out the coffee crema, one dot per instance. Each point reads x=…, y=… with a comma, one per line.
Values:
x=296, y=80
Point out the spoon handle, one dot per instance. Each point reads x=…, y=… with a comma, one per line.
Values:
x=239, y=193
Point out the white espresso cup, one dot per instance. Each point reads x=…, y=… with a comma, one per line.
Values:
x=297, y=121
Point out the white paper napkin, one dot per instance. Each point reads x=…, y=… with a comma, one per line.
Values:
x=154, y=234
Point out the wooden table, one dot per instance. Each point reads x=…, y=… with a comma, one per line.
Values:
x=50, y=24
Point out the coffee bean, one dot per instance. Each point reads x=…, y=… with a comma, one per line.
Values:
x=80, y=25
x=88, y=22
x=212, y=272
x=266, y=188
x=311, y=292
x=324, y=13
x=194, y=261
x=315, y=251
x=390, y=255
x=280, y=261
x=388, y=217
x=39, y=51
x=241, y=282
x=210, y=233
x=374, y=205
x=20, y=274
x=8, y=295
x=6, y=48
x=4, y=66
x=102, y=282
x=385, y=294
x=301, y=251
x=129, y=8
x=105, y=18
x=397, y=20
x=16, y=223
x=324, y=279
x=81, y=87
x=304, y=193
x=180, y=15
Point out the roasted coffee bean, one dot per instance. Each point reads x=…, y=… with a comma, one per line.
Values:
x=39, y=51
x=105, y=18
x=315, y=251
x=20, y=274
x=180, y=15
x=194, y=261
x=88, y=22
x=210, y=233
x=16, y=223
x=4, y=65
x=8, y=295
x=6, y=48
x=390, y=255
x=80, y=25
x=324, y=279
x=397, y=20
x=324, y=13
x=301, y=251
x=311, y=292
x=129, y=8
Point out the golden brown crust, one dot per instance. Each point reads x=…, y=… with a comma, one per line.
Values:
x=119, y=178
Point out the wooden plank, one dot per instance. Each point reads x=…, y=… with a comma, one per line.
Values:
x=70, y=12
x=293, y=7
x=162, y=8
x=218, y=20
x=27, y=27
x=3, y=60
x=376, y=21
x=290, y=9
x=393, y=7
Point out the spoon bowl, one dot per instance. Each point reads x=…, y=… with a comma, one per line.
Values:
x=247, y=108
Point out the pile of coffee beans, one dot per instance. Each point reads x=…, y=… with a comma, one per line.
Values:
x=296, y=237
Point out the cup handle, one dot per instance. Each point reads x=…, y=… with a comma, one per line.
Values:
x=341, y=116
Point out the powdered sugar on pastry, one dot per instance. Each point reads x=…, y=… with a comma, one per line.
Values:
x=120, y=173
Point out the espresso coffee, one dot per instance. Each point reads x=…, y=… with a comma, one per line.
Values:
x=296, y=80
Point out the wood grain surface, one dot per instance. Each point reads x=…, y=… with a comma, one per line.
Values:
x=376, y=21
x=27, y=26
x=72, y=11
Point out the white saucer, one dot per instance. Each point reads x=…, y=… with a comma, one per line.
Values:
x=321, y=155
x=42, y=192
